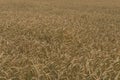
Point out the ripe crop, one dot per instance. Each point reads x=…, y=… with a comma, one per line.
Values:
x=59, y=40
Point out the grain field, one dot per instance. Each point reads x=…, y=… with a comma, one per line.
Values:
x=59, y=40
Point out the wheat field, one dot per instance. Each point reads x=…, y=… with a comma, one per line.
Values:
x=59, y=40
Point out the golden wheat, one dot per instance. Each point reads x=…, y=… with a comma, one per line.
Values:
x=59, y=40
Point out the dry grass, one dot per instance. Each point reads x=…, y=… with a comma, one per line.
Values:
x=59, y=40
